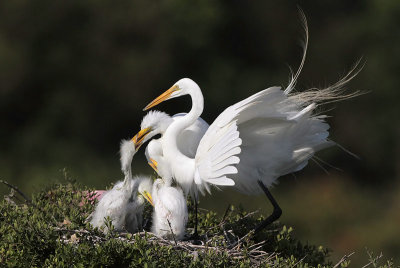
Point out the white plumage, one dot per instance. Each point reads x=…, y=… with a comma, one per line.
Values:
x=170, y=211
x=123, y=204
x=113, y=204
x=249, y=145
x=156, y=122
x=269, y=134
x=156, y=160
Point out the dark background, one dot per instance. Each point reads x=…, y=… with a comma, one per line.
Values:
x=75, y=75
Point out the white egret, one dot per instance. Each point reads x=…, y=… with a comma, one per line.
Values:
x=170, y=214
x=125, y=201
x=271, y=133
x=170, y=210
x=156, y=122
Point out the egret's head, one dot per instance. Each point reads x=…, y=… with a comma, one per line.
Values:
x=144, y=189
x=155, y=122
x=180, y=88
x=127, y=151
x=159, y=165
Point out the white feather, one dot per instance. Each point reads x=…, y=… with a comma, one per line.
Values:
x=170, y=211
x=127, y=151
x=123, y=204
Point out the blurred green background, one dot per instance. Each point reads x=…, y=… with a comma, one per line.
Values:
x=75, y=75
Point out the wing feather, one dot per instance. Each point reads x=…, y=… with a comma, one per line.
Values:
x=279, y=137
x=263, y=137
x=230, y=161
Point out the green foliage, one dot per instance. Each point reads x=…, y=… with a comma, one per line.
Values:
x=50, y=231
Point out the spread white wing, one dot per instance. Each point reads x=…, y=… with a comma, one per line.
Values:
x=280, y=134
x=220, y=147
x=263, y=137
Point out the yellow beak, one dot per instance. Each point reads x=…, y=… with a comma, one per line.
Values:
x=153, y=163
x=148, y=197
x=163, y=97
x=138, y=138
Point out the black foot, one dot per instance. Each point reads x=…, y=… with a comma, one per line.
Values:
x=194, y=238
x=276, y=213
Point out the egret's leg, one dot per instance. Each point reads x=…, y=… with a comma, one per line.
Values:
x=276, y=213
x=195, y=234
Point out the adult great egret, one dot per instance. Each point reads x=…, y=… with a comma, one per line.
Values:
x=125, y=201
x=271, y=133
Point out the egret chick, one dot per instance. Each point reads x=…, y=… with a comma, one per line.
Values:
x=134, y=208
x=123, y=204
x=170, y=210
x=170, y=214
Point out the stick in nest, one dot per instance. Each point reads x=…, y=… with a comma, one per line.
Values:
x=172, y=232
x=16, y=189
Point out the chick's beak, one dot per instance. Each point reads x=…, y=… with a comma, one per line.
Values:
x=163, y=97
x=148, y=197
x=138, y=138
x=153, y=163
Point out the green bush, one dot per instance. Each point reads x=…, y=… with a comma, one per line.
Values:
x=51, y=231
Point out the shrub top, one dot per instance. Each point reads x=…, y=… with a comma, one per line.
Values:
x=51, y=231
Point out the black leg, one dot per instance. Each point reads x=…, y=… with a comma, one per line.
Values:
x=275, y=214
x=195, y=234
x=195, y=238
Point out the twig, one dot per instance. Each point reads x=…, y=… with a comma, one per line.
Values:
x=343, y=259
x=228, y=209
x=255, y=254
x=297, y=263
x=257, y=246
x=248, y=215
x=237, y=244
x=16, y=189
x=373, y=260
x=173, y=235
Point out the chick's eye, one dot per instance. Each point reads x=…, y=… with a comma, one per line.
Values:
x=157, y=136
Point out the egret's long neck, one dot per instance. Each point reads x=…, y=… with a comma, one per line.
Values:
x=173, y=131
x=167, y=181
x=128, y=176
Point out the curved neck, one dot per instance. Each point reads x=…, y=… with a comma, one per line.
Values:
x=173, y=131
x=167, y=180
x=128, y=176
